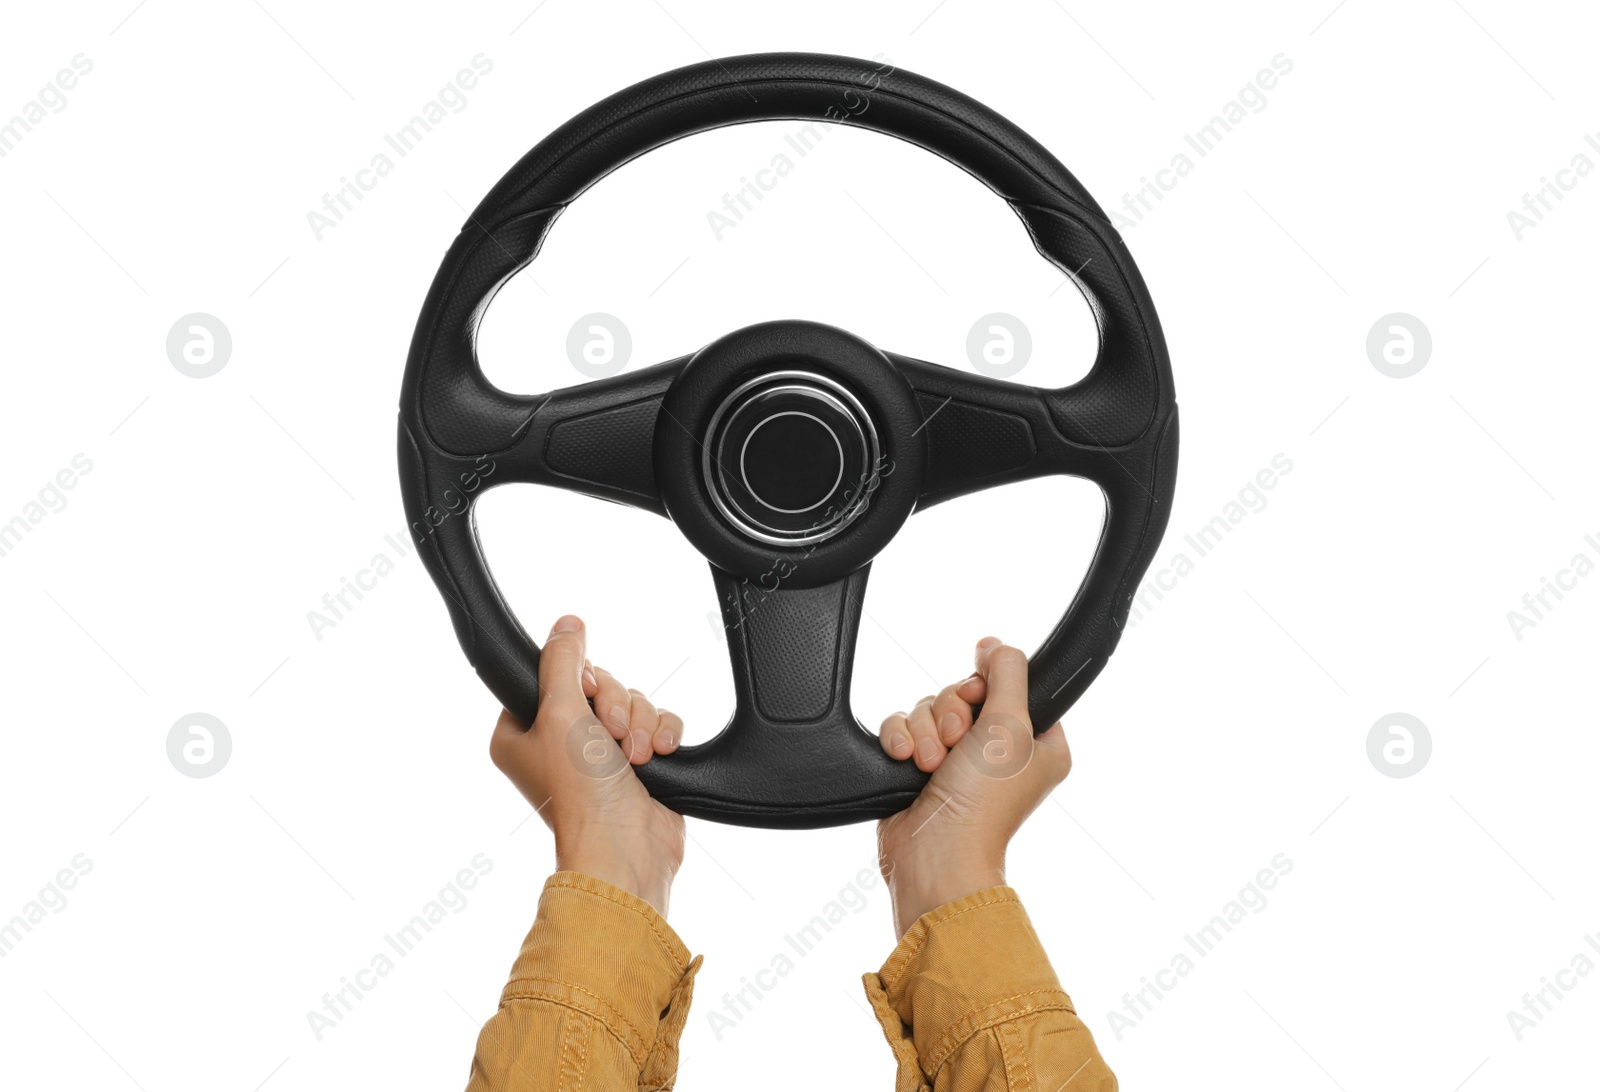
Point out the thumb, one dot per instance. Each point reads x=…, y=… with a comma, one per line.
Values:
x=561, y=663
x=1005, y=670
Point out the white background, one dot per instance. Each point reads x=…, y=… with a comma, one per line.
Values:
x=1231, y=727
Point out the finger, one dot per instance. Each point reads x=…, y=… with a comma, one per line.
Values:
x=612, y=703
x=1005, y=670
x=561, y=665
x=642, y=722
x=894, y=736
x=925, y=733
x=669, y=730
x=973, y=689
x=590, y=683
x=952, y=713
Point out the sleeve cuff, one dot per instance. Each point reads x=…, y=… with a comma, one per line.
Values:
x=603, y=951
x=967, y=966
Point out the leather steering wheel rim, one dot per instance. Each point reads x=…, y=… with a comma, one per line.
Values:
x=793, y=756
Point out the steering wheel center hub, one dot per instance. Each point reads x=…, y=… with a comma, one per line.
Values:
x=789, y=451
x=788, y=458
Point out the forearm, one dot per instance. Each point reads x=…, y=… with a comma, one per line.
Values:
x=597, y=997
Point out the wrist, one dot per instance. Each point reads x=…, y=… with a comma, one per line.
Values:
x=643, y=879
x=929, y=882
x=629, y=860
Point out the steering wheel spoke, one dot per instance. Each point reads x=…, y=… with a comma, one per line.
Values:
x=596, y=439
x=984, y=432
x=792, y=651
x=980, y=432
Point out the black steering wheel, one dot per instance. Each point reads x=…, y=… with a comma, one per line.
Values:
x=789, y=453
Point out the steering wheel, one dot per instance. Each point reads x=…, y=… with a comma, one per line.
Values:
x=789, y=453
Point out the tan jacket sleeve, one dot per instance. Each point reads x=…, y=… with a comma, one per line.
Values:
x=970, y=1003
x=597, y=999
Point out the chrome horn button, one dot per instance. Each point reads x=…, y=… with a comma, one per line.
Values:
x=789, y=458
